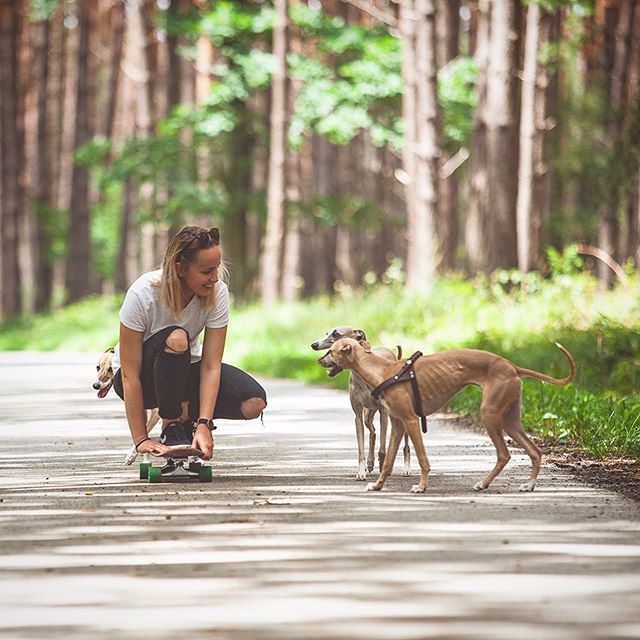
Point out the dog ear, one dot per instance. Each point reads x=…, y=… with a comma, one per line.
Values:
x=359, y=335
x=366, y=346
x=346, y=348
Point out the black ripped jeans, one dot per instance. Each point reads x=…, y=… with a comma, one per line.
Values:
x=168, y=379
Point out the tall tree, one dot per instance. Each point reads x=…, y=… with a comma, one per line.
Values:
x=40, y=182
x=533, y=177
x=491, y=226
x=11, y=191
x=421, y=145
x=616, y=75
x=78, y=266
x=274, y=240
x=501, y=119
x=478, y=177
x=448, y=29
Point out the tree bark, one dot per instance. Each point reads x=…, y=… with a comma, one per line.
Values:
x=40, y=178
x=78, y=266
x=617, y=146
x=533, y=177
x=448, y=28
x=475, y=240
x=502, y=137
x=421, y=146
x=11, y=192
x=274, y=240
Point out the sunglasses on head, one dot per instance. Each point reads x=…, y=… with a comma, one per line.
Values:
x=203, y=239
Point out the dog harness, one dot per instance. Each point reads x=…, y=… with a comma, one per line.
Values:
x=406, y=373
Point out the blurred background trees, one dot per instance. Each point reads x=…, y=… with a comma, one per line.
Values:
x=334, y=142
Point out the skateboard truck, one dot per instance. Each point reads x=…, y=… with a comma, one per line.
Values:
x=181, y=463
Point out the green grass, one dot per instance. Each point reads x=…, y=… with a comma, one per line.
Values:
x=521, y=320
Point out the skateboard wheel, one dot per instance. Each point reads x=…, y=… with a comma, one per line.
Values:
x=195, y=466
x=154, y=474
x=144, y=470
x=205, y=473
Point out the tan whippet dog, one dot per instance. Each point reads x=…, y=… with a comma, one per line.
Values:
x=440, y=376
x=103, y=385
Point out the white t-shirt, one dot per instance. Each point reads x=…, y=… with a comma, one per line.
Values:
x=144, y=310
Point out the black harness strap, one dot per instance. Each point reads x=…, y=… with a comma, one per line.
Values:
x=406, y=373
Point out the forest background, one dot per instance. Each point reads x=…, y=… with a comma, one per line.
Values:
x=440, y=172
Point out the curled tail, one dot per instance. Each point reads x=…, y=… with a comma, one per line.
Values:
x=541, y=376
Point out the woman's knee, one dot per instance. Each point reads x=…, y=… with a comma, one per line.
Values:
x=177, y=341
x=252, y=408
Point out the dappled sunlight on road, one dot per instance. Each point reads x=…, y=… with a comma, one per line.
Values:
x=284, y=543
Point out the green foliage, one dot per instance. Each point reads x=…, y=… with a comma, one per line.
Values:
x=91, y=324
x=353, y=83
x=42, y=9
x=458, y=98
x=598, y=412
x=54, y=223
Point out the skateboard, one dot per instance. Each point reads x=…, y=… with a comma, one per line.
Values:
x=182, y=461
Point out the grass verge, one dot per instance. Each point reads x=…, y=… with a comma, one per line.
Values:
x=519, y=319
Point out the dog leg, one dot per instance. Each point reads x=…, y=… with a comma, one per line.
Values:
x=407, y=455
x=384, y=423
x=493, y=423
x=514, y=428
x=368, y=421
x=362, y=470
x=154, y=416
x=397, y=430
x=415, y=434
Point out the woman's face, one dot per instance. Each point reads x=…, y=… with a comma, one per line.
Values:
x=202, y=274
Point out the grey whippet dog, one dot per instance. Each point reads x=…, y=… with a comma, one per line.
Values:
x=362, y=402
x=440, y=376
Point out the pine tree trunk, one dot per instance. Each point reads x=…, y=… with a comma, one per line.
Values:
x=476, y=222
x=11, y=196
x=533, y=178
x=617, y=145
x=421, y=145
x=240, y=175
x=41, y=179
x=448, y=29
x=502, y=136
x=274, y=240
x=78, y=266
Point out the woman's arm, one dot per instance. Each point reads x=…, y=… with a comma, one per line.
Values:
x=131, y=366
x=210, y=366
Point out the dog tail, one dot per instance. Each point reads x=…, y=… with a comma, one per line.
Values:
x=399, y=348
x=541, y=376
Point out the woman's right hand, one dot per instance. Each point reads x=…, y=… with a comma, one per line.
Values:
x=153, y=447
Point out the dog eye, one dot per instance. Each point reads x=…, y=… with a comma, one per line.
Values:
x=336, y=334
x=97, y=368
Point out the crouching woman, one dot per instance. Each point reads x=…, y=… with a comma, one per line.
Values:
x=159, y=360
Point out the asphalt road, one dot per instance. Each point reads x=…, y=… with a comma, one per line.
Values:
x=284, y=543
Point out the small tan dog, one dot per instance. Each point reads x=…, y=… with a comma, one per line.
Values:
x=439, y=377
x=103, y=386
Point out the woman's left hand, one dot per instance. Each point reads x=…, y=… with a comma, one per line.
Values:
x=203, y=440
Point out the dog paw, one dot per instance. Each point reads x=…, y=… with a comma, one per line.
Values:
x=406, y=472
x=479, y=486
x=528, y=486
x=373, y=486
x=416, y=488
x=361, y=476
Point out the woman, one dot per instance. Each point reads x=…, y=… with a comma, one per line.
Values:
x=159, y=361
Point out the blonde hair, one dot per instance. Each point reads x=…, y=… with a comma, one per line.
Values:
x=183, y=249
